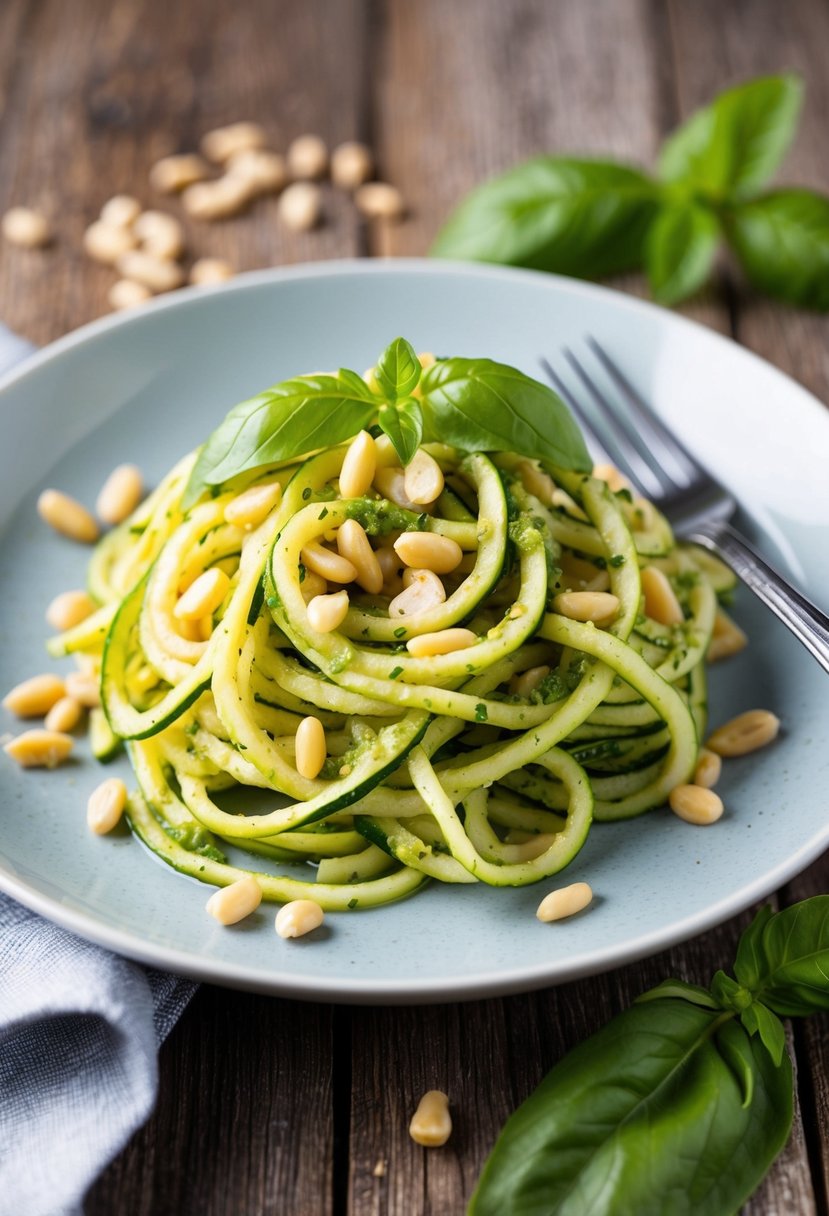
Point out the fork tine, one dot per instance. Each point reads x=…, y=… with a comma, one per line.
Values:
x=629, y=456
x=671, y=449
x=596, y=441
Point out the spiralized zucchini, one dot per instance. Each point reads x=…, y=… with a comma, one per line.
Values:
x=487, y=763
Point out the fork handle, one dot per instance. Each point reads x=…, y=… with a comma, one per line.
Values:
x=805, y=620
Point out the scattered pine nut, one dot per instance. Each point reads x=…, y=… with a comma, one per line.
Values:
x=597, y=606
x=661, y=603
x=351, y=165
x=745, y=733
x=69, y=609
x=64, y=715
x=379, y=201
x=431, y=1124
x=615, y=480
x=443, y=641
x=40, y=748
x=250, y=508
x=121, y=211
x=85, y=687
x=217, y=200
x=120, y=494
x=727, y=638
x=354, y=545
x=428, y=551
x=300, y=206
x=210, y=270
x=35, y=697
x=423, y=478
x=310, y=747
x=263, y=172
x=26, y=228
x=161, y=235
x=528, y=681
x=424, y=592
x=67, y=516
x=172, y=174
x=328, y=565
x=379, y=1170
x=359, y=466
x=696, y=804
x=158, y=274
x=536, y=482
x=106, y=806
x=106, y=243
x=326, y=612
x=567, y=901
x=236, y=901
x=307, y=157
x=203, y=596
x=390, y=482
x=126, y=293
x=299, y=917
x=708, y=770
x=223, y=142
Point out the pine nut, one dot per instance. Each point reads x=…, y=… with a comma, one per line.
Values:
x=379, y=201
x=40, y=748
x=353, y=544
x=158, y=274
x=431, y=1124
x=120, y=494
x=384, y=450
x=567, y=901
x=121, y=211
x=217, y=200
x=203, y=596
x=300, y=206
x=250, y=508
x=69, y=609
x=389, y=563
x=661, y=603
x=327, y=612
x=299, y=917
x=391, y=483
x=708, y=770
x=428, y=551
x=64, y=715
x=727, y=638
x=172, y=174
x=106, y=806
x=263, y=172
x=537, y=482
x=327, y=564
x=359, y=466
x=85, y=687
x=106, y=243
x=745, y=733
x=27, y=228
x=444, y=641
x=125, y=293
x=223, y=142
x=233, y=903
x=311, y=586
x=210, y=270
x=597, y=606
x=528, y=681
x=308, y=157
x=423, y=478
x=615, y=480
x=695, y=804
x=67, y=516
x=35, y=696
x=351, y=165
x=424, y=592
x=160, y=234
x=310, y=747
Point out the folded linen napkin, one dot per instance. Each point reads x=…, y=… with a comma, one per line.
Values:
x=79, y=1035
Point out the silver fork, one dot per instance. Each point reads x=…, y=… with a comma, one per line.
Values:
x=639, y=443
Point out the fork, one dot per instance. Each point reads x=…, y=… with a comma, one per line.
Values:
x=699, y=509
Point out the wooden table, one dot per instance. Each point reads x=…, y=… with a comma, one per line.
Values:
x=269, y=1106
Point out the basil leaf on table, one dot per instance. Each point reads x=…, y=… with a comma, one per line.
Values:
x=681, y=248
x=482, y=406
x=398, y=370
x=730, y=148
x=287, y=420
x=782, y=241
x=785, y=961
x=404, y=426
x=586, y=218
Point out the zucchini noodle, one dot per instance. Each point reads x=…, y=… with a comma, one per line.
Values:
x=483, y=764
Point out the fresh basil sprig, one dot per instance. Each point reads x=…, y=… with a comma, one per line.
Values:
x=475, y=404
x=592, y=218
x=682, y=1102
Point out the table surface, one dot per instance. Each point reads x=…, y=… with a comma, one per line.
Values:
x=270, y=1106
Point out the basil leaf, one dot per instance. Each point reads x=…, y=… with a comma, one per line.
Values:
x=785, y=963
x=404, y=426
x=682, y=244
x=682, y=991
x=398, y=369
x=482, y=406
x=759, y=1020
x=579, y=217
x=731, y=147
x=668, y=1108
x=288, y=420
x=782, y=240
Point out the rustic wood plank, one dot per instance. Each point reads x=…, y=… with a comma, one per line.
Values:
x=244, y=1116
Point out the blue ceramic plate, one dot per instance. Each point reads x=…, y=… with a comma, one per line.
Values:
x=149, y=386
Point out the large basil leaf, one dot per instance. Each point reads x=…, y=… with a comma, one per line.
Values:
x=483, y=406
x=682, y=244
x=731, y=147
x=785, y=960
x=398, y=369
x=290, y=419
x=782, y=240
x=579, y=217
x=669, y=1108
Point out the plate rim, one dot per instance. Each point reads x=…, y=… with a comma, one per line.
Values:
x=362, y=991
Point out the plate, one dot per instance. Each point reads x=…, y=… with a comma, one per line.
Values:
x=149, y=386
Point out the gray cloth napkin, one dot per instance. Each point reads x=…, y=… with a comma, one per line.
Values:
x=79, y=1035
